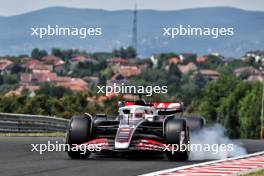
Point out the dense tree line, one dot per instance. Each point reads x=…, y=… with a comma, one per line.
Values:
x=127, y=53
x=234, y=103
x=65, y=106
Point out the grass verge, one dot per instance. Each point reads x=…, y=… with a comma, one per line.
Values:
x=52, y=134
x=259, y=173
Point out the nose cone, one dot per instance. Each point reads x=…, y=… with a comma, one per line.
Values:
x=123, y=138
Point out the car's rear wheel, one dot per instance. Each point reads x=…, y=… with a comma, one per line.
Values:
x=78, y=132
x=177, y=134
x=195, y=123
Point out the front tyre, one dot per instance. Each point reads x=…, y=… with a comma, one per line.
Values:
x=78, y=132
x=176, y=132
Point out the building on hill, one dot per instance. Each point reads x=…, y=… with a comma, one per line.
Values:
x=55, y=61
x=81, y=58
x=129, y=71
x=210, y=74
x=31, y=63
x=184, y=69
x=256, y=78
x=13, y=93
x=246, y=70
x=174, y=60
x=18, y=91
x=201, y=59
x=91, y=80
x=184, y=56
x=25, y=58
x=42, y=68
x=5, y=66
x=117, y=79
x=117, y=61
x=32, y=78
x=74, y=84
x=258, y=56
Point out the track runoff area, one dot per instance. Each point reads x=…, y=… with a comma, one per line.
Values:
x=227, y=167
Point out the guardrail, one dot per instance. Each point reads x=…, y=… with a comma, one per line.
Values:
x=10, y=122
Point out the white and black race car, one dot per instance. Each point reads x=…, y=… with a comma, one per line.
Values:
x=140, y=126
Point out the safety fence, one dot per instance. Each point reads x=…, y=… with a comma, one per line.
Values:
x=10, y=122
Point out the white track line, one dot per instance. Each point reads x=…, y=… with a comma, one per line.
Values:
x=166, y=171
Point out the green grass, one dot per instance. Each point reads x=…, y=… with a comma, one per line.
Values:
x=259, y=173
x=52, y=134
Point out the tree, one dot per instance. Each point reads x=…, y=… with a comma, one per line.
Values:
x=249, y=112
x=227, y=113
x=73, y=105
x=67, y=54
x=237, y=63
x=188, y=92
x=84, y=69
x=37, y=105
x=10, y=78
x=211, y=63
x=53, y=91
x=131, y=52
x=17, y=68
x=213, y=94
x=56, y=52
x=173, y=78
x=200, y=80
x=105, y=74
x=150, y=77
x=38, y=54
x=127, y=53
x=174, y=71
x=163, y=59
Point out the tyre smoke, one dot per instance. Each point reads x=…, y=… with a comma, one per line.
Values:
x=211, y=136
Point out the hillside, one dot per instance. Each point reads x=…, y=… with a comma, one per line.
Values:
x=15, y=32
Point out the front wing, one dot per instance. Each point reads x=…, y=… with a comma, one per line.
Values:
x=135, y=145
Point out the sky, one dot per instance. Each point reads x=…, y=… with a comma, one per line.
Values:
x=15, y=7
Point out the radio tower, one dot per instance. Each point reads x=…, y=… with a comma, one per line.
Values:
x=134, y=35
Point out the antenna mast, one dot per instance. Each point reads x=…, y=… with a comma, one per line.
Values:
x=134, y=36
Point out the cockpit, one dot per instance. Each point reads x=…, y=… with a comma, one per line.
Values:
x=136, y=113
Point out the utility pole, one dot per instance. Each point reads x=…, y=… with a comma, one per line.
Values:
x=262, y=113
x=134, y=30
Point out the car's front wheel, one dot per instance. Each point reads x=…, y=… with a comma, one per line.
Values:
x=78, y=132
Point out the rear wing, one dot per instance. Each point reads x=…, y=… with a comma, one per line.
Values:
x=165, y=108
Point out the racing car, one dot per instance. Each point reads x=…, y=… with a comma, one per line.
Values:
x=139, y=126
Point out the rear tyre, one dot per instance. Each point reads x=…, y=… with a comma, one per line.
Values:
x=195, y=123
x=78, y=133
x=176, y=132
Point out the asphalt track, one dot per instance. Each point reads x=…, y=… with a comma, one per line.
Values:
x=16, y=159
